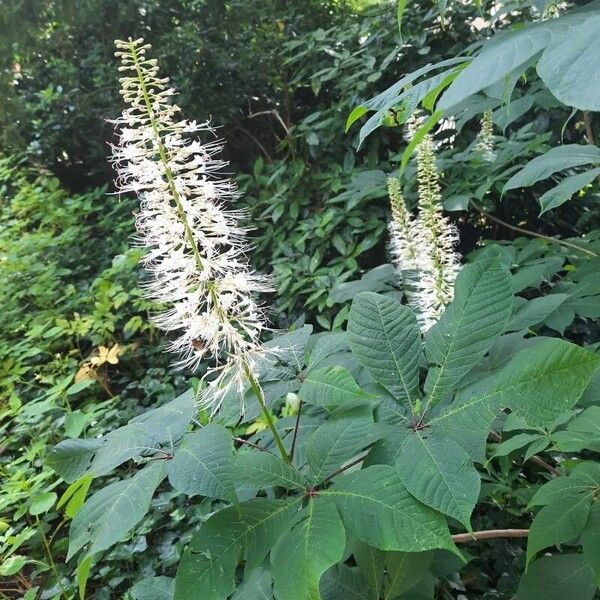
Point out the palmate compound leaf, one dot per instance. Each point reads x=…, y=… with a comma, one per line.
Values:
x=538, y=384
x=384, y=336
x=301, y=556
x=377, y=509
x=477, y=316
x=203, y=464
x=207, y=568
x=114, y=510
x=439, y=473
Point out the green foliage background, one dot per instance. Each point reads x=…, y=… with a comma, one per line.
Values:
x=280, y=78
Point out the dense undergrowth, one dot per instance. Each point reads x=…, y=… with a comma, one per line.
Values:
x=79, y=358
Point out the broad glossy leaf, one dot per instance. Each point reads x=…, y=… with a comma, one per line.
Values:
x=385, y=337
x=371, y=566
x=377, y=509
x=559, y=522
x=114, y=510
x=558, y=577
x=331, y=387
x=203, y=464
x=259, y=586
x=535, y=311
x=556, y=159
x=516, y=442
x=258, y=470
x=439, y=473
x=71, y=458
x=538, y=384
x=207, y=568
x=476, y=317
x=305, y=552
x=569, y=65
x=566, y=188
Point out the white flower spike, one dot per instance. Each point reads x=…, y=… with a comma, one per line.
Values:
x=195, y=245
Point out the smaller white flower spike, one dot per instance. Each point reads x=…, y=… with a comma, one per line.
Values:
x=195, y=245
x=485, y=138
x=422, y=249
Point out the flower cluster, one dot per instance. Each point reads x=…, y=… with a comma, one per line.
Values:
x=195, y=245
x=423, y=247
x=485, y=138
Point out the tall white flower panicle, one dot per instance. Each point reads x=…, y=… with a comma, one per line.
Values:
x=403, y=241
x=195, y=245
x=437, y=262
x=485, y=138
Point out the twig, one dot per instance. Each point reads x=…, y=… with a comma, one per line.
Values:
x=487, y=215
x=489, y=534
x=296, y=427
x=342, y=469
x=261, y=448
x=257, y=142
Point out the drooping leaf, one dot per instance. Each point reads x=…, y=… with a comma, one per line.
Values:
x=569, y=65
x=113, y=511
x=259, y=470
x=377, y=509
x=331, y=387
x=307, y=550
x=559, y=194
x=371, y=566
x=259, y=586
x=439, y=473
x=557, y=577
x=203, y=464
x=590, y=541
x=559, y=522
x=342, y=582
x=385, y=337
x=207, y=568
x=535, y=311
x=71, y=458
x=516, y=442
x=538, y=384
x=556, y=159
x=476, y=317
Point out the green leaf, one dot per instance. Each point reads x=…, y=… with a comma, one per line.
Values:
x=377, y=509
x=371, y=566
x=113, y=511
x=259, y=470
x=207, y=568
x=331, y=387
x=587, y=424
x=74, y=495
x=339, y=439
x=405, y=570
x=41, y=503
x=538, y=384
x=555, y=489
x=535, y=311
x=256, y=587
x=559, y=577
x=440, y=474
x=423, y=130
x=154, y=588
x=71, y=458
x=566, y=188
x=399, y=15
x=477, y=316
x=342, y=582
x=203, y=464
x=516, y=442
x=385, y=337
x=569, y=65
x=590, y=541
x=559, y=522
x=303, y=554
x=556, y=159
x=83, y=574
x=356, y=114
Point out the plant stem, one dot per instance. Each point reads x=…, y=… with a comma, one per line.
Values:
x=296, y=427
x=257, y=446
x=342, y=469
x=489, y=534
x=49, y=555
x=487, y=215
x=260, y=396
